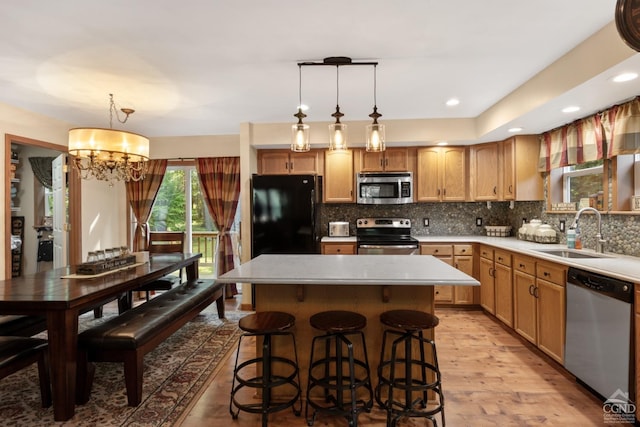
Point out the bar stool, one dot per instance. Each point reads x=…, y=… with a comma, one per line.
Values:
x=338, y=374
x=398, y=391
x=266, y=325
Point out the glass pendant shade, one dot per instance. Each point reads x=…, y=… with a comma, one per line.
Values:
x=375, y=137
x=337, y=136
x=300, y=137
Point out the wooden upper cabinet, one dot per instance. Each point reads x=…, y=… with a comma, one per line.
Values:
x=507, y=170
x=392, y=160
x=338, y=179
x=279, y=162
x=484, y=171
x=441, y=174
x=521, y=180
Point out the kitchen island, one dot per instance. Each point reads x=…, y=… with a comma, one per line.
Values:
x=368, y=284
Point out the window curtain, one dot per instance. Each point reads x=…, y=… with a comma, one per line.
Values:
x=575, y=143
x=622, y=128
x=141, y=195
x=220, y=184
x=41, y=167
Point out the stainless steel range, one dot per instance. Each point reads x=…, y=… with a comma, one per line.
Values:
x=385, y=236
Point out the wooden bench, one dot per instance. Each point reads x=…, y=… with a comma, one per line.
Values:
x=22, y=325
x=17, y=353
x=128, y=337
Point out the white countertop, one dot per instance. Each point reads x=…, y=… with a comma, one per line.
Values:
x=348, y=270
x=613, y=265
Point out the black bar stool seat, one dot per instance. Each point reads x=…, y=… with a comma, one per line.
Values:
x=266, y=325
x=406, y=381
x=337, y=375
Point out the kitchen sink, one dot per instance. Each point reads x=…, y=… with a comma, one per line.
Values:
x=568, y=253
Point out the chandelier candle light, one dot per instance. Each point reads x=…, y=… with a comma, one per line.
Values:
x=108, y=154
x=337, y=131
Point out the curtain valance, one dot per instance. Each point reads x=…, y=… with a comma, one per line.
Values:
x=622, y=128
x=575, y=143
x=617, y=128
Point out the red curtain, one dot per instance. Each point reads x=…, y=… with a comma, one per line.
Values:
x=220, y=183
x=141, y=195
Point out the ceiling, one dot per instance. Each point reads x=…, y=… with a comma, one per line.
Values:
x=203, y=67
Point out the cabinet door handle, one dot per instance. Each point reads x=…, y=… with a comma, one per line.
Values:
x=286, y=165
x=291, y=165
x=444, y=191
x=463, y=250
x=438, y=192
x=521, y=265
x=546, y=274
x=536, y=292
x=381, y=163
x=492, y=272
x=531, y=290
x=500, y=258
x=495, y=190
x=510, y=189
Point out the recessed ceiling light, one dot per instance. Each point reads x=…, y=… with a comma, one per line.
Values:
x=625, y=77
x=516, y=129
x=452, y=102
x=571, y=109
x=442, y=143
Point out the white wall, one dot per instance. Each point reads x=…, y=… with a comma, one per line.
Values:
x=103, y=216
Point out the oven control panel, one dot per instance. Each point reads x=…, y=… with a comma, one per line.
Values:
x=383, y=223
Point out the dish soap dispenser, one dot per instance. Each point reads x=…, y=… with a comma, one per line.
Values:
x=578, y=239
x=571, y=238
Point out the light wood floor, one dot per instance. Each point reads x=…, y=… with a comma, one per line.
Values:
x=491, y=377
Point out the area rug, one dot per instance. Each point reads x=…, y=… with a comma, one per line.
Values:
x=174, y=374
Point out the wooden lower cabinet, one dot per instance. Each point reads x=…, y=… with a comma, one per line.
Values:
x=524, y=301
x=463, y=261
x=487, y=279
x=461, y=257
x=539, y=304
x=503, y=285
x=338, y=248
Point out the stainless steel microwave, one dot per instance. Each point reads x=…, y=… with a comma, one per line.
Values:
x=384, y=188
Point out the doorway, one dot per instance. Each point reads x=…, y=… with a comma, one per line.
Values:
x=74, y=220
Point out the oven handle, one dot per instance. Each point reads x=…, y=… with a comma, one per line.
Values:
x=388, y=246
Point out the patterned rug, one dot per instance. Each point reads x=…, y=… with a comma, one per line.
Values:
x=174, y=374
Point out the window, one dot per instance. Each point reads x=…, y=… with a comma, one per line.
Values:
x=583, y=181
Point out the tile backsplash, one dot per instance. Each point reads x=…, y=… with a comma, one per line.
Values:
x=622, y=232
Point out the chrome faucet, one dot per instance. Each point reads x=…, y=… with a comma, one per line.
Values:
x=599, y=240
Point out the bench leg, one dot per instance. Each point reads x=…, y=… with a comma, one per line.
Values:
x=133, y=365
x=44, y=378
x=220, y=306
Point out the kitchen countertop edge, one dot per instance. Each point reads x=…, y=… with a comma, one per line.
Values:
x=619, y=266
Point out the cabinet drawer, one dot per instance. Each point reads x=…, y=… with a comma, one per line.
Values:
x=339, y=249
x=486, y=252
x=524, y=264
x=553, y=273
x=436, y=250
x=463, y=249
x=502, y=257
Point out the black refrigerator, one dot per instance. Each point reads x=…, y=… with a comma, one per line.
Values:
x=284, y=210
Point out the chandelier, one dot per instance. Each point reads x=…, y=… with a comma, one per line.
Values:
x=108, y=154
x=375, y=132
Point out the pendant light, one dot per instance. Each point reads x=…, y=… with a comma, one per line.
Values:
x=337, y=130
x=300, y=131
x=375, y=131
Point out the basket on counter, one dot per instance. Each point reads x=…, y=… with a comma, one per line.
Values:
x=498, y=230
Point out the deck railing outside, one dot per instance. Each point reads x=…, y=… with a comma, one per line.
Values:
x=205, y=242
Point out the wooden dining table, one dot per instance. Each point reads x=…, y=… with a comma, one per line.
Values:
x=61, y=300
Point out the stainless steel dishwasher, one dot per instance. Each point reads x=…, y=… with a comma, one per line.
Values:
x=599, y=325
